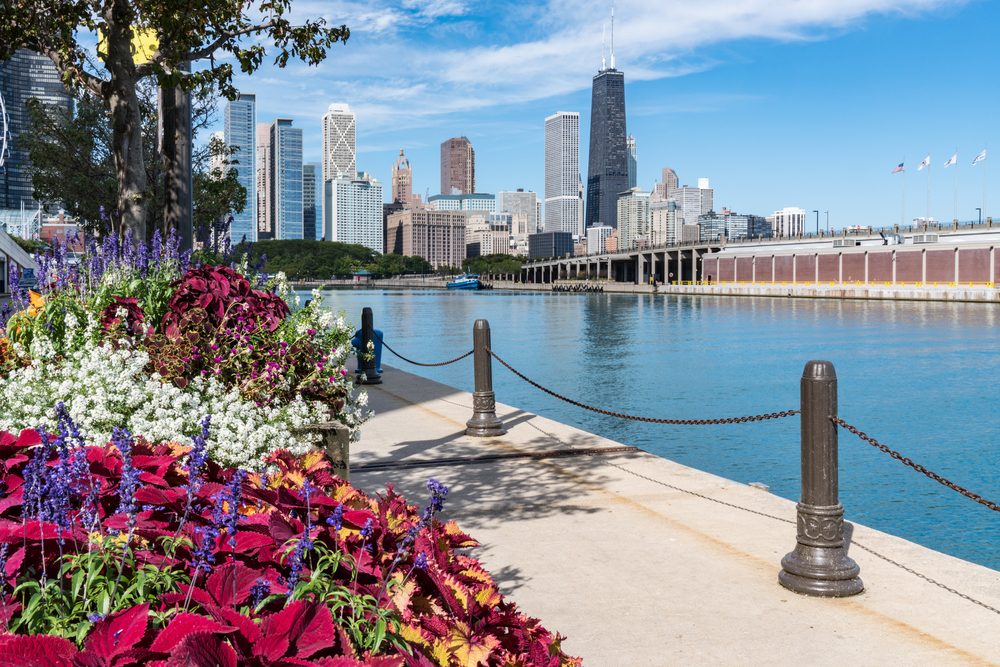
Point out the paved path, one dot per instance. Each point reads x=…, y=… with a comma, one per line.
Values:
x=642, y=561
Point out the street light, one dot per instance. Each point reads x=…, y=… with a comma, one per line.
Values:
x=980, y=214
x=817, y=221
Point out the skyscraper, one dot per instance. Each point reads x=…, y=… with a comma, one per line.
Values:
x=523, y=208
x=607, y=173
x=339, y=142
x=25, y=75
x=312, y=216
x=265, y=229
x=402, y=181
x=352, y=210
x=692, y=202
x=632, y=161
x=562, y=172
x=458, y=167
x=669, y=183
x=285, y=197
x=240, y=122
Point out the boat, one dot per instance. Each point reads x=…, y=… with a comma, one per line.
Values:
x=466, y=281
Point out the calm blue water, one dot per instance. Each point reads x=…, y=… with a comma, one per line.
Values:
x=920, y=377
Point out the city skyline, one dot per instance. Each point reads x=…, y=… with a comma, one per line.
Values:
x=745, y=93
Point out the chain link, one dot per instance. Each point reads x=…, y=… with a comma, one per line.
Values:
x=417, y=363
x=916, y=466
x=651, y=420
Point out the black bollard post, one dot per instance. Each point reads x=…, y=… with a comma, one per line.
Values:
x=484, y=422
x=819, y=565
x=367, y=365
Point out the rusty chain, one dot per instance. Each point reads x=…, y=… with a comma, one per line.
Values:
x=417, y=363
x=916, y=466
x=651, y=420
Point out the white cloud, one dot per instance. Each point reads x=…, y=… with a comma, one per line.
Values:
x=409, y=62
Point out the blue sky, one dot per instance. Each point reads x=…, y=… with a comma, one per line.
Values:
x=778, y=102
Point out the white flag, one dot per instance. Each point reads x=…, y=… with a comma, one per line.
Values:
x=981, y=156
x=925, y=163
x=953, y=160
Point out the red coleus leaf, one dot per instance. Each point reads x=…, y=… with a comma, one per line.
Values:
x=248, y=632
x=181, y=626
x=202, y=649
x=28, y=438
x=117, y=634
x=150, y=495
x=271, y=648
x=36, y=651
x=308, y=626
x=281, y=529
x=248, y=541
x=228, y=578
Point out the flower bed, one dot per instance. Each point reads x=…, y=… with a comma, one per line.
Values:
x=138, y=337
x=132, y=553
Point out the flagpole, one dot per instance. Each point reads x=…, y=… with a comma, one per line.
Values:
x=984, y=182
x=902, y=208
x=927, y=220
x=956, y=184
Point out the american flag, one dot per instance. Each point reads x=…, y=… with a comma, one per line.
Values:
x=899, y=168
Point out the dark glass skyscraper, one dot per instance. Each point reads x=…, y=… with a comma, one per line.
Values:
x=25, y=75
x=607, y=175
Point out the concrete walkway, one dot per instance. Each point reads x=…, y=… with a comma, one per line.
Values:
x=641, y=561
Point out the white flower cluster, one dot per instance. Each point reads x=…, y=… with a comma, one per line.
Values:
x=103, y=387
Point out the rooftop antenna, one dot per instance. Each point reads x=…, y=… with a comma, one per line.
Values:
x=612, y=35
x=604, y=41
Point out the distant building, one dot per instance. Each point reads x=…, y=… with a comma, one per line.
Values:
x=479, y=201
x=550, y=244
x=790, y=221
x=693, y=202
x=633, y=217
x=597, y=238
x=524, y=209
x=402, y=181
x=216, y=160
x=668, y=183
x=611, y=243
x=239, y=125
x=458, y=166
x=491, y=239
x=285, y=158
x=664, y=221
x=690, y=234
x=265, y=228
x=27, y=74
x=437, y=236
x=63, y=228
x=312, y=201
x=607, y=171
x=580, y=246
x=339, y=142
x=562, y=173
x=633, y=161
x=387, y=210
x=353, y=211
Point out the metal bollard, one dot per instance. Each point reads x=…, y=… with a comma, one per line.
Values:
x=484, y=422
x=819, y=565
x=368, y=366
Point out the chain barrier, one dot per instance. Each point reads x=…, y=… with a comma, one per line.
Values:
x=417, y=363
x=651, y=420
x=916, y=466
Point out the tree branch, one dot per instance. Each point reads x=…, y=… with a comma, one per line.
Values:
x=146, y=69
x=94, y=83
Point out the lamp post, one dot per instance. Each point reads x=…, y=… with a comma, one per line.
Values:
x=817, y=222
x=980, y=214
x=828, y=220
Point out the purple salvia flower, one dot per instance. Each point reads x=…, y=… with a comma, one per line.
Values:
x=336, y=521
x=259, y=592
x=420, y=562
x=129, y=482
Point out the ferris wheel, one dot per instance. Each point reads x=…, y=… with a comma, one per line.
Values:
x=4, y=134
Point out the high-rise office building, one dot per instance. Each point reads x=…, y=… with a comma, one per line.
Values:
x=402, y=181
x=789, y=221
x=562, y=172
x=607, y=173
x=312, y=201
x=664, y=222
x=352, y=210
x=693, y=202
x=265, y=230
x=285, y=196
x=633, y=218
x=458, y=167
x=437, y=236
x=239, y=132
x=523, y=208
x=26, y=75
x=668, y=183
x=633, y=161
x=714, y=226
x=339, y=142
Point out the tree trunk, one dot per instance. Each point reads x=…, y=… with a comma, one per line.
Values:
x=126, y=124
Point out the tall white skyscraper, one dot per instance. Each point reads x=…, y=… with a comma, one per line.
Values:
x=692, y=202
x=339, y=144
x=352, y=210
x=286, y=179
x=562, y=172
x=265, y=230
x=239, y=131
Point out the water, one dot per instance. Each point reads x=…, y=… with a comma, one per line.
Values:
x=920, y=377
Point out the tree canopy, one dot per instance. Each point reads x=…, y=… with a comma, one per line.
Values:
x=300, y=258
x=486, y=264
